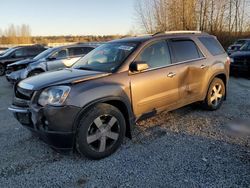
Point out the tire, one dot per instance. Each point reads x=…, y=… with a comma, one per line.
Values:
x=215, y=95
x=100, y=132
x=34, y=73
x=2, y=69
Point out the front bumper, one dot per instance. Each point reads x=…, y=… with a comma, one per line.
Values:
x=14, y=77
x=54, y=125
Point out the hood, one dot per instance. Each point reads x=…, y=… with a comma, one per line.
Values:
x=240, y=54
x=65, y=76
x=22, y=62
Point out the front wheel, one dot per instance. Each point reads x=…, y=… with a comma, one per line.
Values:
x=100, y=132
x=2, y=69
x=215, y=95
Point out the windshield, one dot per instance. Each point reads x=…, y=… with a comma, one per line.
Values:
x=245, y=47
x=8, y=51
x=107, y=57
x=44, y=54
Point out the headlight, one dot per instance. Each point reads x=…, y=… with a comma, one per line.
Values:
x=54, y=96
x=232, y=60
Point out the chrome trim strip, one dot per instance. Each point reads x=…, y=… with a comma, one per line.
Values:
x=169, y=65
x=19, y=110
x=26, y=86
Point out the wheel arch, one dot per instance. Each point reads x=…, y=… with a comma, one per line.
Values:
x=223, y=77
x=119, y=103
x=36, y=69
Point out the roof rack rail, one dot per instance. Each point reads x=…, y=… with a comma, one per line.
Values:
x=178, y=32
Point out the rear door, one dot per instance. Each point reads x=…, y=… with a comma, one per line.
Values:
x=155, y=89
x=185, y=51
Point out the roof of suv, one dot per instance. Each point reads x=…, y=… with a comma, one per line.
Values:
x=147, y=37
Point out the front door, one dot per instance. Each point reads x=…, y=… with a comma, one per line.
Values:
x=155, y=89
x=58, y=60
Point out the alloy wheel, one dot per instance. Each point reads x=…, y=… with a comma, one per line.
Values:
x=216, y=95
x=103, y=133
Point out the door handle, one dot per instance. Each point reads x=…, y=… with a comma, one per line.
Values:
x=203, y=66
x=171, y=74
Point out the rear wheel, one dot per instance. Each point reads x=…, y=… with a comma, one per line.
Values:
x=215, y=95
x=101, y=131
x=2, y=69
x=34, y=73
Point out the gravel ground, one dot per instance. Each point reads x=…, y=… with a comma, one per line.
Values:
x=188, y=147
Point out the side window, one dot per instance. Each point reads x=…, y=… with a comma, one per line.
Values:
x=60, y=55
x=75, y=51
x=79, y=51
x=19, y=53
x=156, y=55
x=212, y=45
x=86, y=50
x=31, y=51
x=184, y=50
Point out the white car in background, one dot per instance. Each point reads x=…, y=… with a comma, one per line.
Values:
x=51, y=59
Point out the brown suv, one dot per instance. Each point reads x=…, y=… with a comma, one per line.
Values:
x=92, y=106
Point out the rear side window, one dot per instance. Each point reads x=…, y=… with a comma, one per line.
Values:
x=20, y=53
x=184, y=50
x=213, y=46
x=77, y=51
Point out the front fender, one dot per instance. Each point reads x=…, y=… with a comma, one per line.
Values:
x=85, y=97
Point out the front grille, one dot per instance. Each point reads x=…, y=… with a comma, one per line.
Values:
x=13, y=68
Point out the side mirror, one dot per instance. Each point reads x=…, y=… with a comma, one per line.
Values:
x=138, y=66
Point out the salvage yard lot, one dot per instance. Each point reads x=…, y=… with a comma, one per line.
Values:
x=188, y=147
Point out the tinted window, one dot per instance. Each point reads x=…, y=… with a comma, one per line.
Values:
x=156, y=55
x=20, y=53
x=184, y=50
x=212, y=45
x=78, y=51
x=32, y=51
x=60, y=55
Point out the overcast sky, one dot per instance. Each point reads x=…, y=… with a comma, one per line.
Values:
x=69, y=17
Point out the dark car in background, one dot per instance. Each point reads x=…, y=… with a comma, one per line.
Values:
x=236, y=46
x=240, y=61
x=17, y=54
x=51, y=59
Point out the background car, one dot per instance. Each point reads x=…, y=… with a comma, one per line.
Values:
x=51, y=59
x=3, y=50
x=17, y=54
x=236, y=46
x=240, y=61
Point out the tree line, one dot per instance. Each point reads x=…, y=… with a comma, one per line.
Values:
x=21, y=34
x=224, y=18
x=16, y=34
